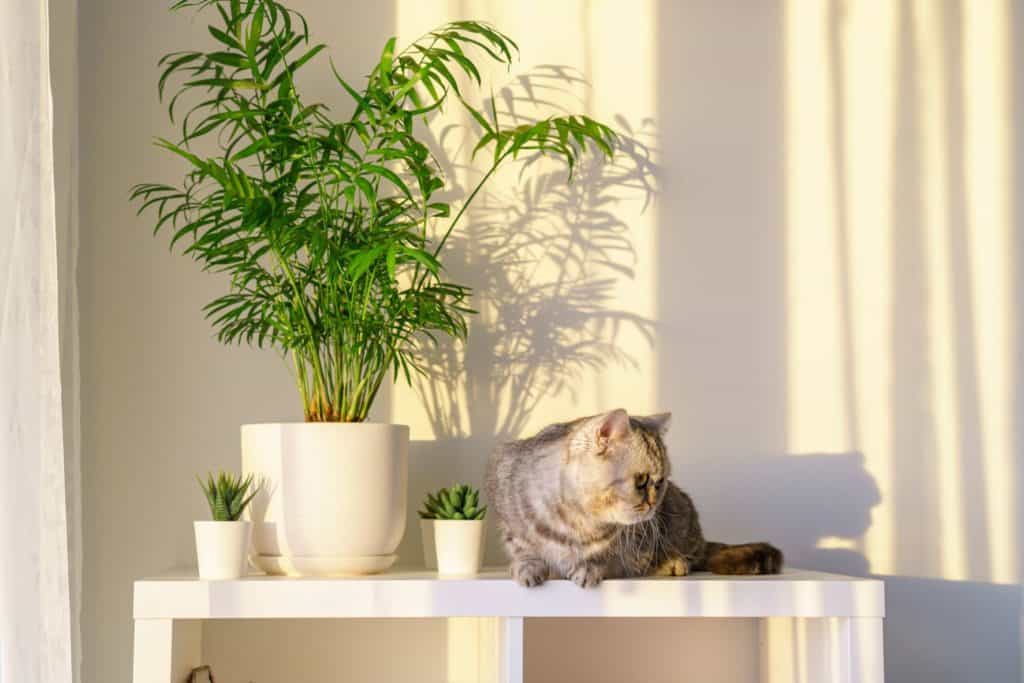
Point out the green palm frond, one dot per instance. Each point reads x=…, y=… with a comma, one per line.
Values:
x=331, y=230
x=228, y=495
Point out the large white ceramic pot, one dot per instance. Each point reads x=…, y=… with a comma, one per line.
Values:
x=332, y=496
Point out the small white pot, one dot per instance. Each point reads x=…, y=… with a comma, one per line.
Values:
x=460, y=546
x=222, y=549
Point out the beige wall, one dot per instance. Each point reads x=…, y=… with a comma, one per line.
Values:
x=825, y=292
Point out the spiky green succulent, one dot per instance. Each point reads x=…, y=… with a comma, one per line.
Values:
x=228, y=495
x=461, y=501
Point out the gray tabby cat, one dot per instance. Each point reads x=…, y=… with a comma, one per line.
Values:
x=590, y=499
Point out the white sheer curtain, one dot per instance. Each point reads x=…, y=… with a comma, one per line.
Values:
x=35, y=598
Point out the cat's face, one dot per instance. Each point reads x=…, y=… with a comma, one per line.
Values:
x=620, y=466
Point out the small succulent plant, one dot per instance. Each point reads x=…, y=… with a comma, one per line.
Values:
x=458, y=502
x=228, y=495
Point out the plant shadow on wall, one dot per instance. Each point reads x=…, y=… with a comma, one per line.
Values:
x=545, y=258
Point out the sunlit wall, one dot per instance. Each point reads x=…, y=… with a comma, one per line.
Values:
x=898, y=271
x=563, y=274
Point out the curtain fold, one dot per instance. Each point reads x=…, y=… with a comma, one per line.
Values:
x=63, y=43
x=35, y=594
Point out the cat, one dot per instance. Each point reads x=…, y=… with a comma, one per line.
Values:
x=590, y=500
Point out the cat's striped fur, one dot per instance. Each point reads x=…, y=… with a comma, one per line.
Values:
x=590, y=499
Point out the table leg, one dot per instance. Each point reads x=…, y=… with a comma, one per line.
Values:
x=867, y=662
x=485, y=650
x=166, y=650
x=835, y=650
x=510, y=635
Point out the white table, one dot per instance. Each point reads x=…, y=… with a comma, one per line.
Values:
x=813, y=626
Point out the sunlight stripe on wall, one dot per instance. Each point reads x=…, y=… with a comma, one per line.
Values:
x=929, y=39
x=867, y=63
x=624, y=89
x=413, y=19
x=987, y=71
x=816, y=386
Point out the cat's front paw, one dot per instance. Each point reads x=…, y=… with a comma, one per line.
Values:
x=529, y=573
x=586, y=576
x=673, y=566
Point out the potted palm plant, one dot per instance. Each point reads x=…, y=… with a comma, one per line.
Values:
x=331, y=231
x=222, y=544
x=452, y=522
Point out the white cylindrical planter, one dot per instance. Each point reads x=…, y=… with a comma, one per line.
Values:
x=222, y=549
x=459, y=545
x=332, y=496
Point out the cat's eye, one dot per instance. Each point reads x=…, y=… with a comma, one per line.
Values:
x=642, y=480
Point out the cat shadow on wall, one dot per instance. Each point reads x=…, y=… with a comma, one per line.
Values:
x=544, y=257
x=794, y=501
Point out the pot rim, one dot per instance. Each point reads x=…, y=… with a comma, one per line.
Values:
x=325, y=424
x=220, y=521
x=460, y=521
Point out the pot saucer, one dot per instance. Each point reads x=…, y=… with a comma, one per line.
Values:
x=323, y=566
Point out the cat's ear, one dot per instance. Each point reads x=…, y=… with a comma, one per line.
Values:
x=613, y=426
x=659, y=423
